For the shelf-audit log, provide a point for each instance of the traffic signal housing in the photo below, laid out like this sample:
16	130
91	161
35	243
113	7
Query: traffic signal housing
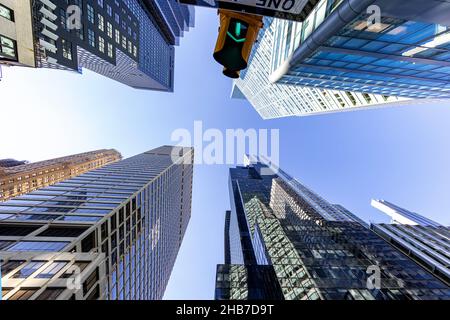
231	74
237	35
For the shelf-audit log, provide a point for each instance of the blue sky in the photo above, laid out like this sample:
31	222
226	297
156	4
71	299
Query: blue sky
399	154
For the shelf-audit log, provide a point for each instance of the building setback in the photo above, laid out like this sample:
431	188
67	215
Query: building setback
112	233
276	100
24	178
130	41
424	240
371	46
285	242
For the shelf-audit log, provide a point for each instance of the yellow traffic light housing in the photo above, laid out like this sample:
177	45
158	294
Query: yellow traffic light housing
237	34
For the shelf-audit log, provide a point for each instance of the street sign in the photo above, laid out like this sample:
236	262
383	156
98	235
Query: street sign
296	10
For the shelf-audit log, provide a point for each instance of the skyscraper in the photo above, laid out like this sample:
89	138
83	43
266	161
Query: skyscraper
424	240
286	242
20	179
402	216
111	233
372	46
275	100
130	41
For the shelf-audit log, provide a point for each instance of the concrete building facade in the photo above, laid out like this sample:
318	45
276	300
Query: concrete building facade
24	178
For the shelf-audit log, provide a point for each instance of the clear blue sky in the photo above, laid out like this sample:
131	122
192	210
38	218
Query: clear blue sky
400	154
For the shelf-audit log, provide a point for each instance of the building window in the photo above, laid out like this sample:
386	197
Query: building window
367	98
101	22
135	51
124	42
109	10
110	50
79	32
130	47
7	48
91	38
51	270
50	294
28	269
63	18
351	97
109	29
7	13
38	246
66	49
101	44
100	3
90	14
23	294
118	36
117	18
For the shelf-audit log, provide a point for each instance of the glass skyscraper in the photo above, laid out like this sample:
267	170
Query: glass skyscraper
276	100
111	233
402	216
424	240
130	41
283	241
372	46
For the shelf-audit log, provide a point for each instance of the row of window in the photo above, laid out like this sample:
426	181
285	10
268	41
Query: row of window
109	10
103	45
6	12
32	245
49	217
101	25
24	184
48	272
8	48
99	41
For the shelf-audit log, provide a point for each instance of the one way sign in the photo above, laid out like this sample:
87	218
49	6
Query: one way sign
296	10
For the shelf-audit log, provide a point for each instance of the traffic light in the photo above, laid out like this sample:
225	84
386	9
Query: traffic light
237	34
231	74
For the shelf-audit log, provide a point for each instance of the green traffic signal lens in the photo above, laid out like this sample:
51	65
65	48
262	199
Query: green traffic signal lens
231	54
237	30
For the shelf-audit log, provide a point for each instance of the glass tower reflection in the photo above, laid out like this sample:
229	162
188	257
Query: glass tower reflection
291	249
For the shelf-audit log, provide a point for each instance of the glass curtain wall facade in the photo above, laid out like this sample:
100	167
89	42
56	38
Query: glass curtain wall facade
299	253
370	46
130	41
402	216
112	233
424	240
276	100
